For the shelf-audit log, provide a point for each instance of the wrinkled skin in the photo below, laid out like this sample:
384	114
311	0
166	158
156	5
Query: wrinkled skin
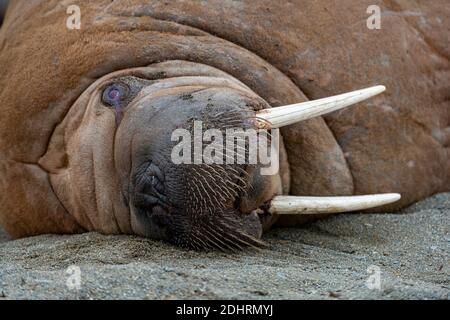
115	158
70	163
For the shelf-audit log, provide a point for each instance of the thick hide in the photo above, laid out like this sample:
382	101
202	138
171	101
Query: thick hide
286	52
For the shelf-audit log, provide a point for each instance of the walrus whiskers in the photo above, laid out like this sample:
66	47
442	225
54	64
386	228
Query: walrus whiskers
285	115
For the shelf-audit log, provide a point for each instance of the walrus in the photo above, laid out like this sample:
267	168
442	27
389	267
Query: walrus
89	113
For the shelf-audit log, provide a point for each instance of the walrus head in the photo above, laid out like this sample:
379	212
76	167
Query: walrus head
111	160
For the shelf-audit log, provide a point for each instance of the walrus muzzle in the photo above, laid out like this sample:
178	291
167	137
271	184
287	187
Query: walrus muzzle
200	205
111	159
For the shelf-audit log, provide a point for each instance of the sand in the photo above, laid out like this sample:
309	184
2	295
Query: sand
329	259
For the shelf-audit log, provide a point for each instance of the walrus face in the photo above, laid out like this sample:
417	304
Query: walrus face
189	204
114	160
118	167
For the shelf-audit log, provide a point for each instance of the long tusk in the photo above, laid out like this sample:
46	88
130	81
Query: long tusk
282	116
314	205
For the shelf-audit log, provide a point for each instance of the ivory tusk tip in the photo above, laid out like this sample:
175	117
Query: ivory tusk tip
378	89
385	198
393	196
366	93
286	115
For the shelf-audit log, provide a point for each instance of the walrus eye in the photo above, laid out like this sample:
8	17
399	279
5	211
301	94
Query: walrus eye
114	94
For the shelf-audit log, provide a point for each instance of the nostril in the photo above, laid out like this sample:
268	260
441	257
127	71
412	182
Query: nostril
156	184
145	201
147	197
148	182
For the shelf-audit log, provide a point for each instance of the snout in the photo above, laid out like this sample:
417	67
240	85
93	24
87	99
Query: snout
191	183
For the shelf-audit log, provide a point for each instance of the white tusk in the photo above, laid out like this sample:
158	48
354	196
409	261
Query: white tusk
285	115
314	205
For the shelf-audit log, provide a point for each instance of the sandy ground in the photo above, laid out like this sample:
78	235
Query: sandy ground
329	259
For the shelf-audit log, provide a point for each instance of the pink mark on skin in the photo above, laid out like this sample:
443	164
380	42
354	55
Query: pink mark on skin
118	112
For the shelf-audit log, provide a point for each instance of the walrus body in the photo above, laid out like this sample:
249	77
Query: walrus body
60	168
